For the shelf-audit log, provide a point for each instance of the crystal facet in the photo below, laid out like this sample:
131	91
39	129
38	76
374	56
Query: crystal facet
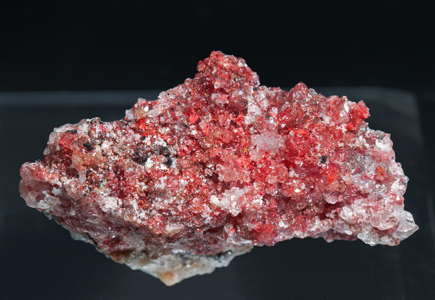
217	165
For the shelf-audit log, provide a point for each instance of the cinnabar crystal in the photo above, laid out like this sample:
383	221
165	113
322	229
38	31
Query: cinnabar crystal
217	165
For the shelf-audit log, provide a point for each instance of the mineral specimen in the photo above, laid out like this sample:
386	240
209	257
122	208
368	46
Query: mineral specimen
217	165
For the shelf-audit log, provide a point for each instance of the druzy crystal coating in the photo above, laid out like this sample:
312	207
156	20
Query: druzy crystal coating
217	165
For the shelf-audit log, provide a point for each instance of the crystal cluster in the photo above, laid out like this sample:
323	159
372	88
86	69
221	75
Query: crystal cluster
217	165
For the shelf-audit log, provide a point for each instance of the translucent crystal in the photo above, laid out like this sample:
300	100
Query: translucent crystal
215	166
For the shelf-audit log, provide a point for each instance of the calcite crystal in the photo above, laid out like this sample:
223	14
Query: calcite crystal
217	165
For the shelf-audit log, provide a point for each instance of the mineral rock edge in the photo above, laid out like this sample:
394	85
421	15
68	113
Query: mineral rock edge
215	166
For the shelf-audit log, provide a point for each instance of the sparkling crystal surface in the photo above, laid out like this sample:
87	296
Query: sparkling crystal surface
217	165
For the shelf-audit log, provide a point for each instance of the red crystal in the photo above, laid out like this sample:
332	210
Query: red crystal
217	165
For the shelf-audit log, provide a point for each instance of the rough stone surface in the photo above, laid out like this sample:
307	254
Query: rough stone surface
217	165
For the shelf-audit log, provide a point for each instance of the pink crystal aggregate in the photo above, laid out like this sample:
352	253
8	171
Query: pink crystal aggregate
217	165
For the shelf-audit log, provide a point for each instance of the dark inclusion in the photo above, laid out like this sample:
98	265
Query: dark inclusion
140	158
168	161
163	150
88	146
324	159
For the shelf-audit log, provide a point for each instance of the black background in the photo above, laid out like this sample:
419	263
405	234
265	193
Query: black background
94	45
140	45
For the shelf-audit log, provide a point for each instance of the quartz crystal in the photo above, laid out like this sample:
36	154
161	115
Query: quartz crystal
215	166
